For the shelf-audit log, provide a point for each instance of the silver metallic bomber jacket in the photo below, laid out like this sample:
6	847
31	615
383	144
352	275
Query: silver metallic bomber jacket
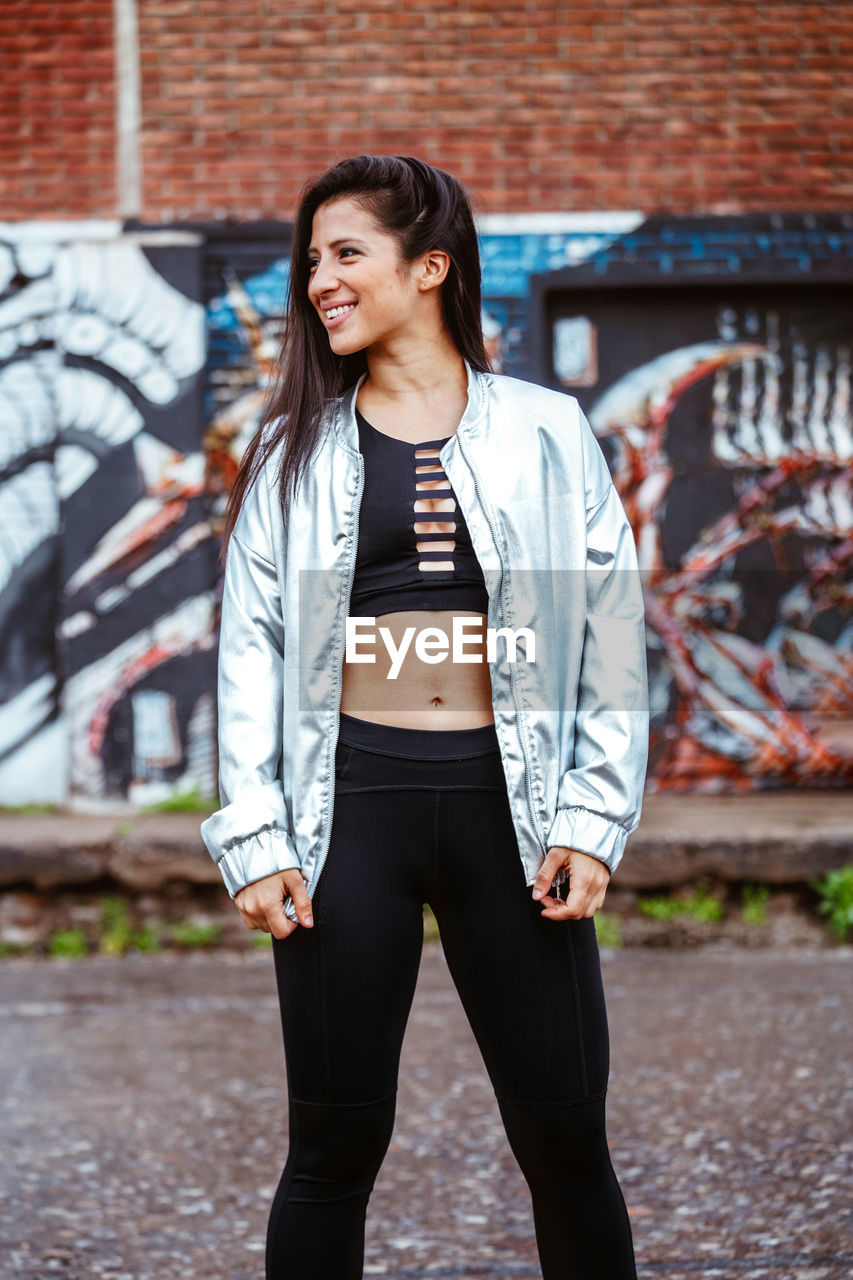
558	557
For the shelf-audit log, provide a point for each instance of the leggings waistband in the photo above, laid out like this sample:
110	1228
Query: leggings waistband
430	743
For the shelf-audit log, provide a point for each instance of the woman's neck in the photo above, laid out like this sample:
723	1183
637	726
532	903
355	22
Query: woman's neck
433	373
415	370
421	390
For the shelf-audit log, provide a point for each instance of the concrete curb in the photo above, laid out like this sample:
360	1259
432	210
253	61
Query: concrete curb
770	837
142	852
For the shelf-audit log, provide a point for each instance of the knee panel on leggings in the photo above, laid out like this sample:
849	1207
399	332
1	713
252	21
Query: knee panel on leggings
558	1146
316	1224
582	1224
336	1150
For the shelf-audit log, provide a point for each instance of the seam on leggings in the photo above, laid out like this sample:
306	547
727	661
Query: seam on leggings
324	1007
578	1012
305	1102
404	755
412	786
551	1106
435	808
346	1195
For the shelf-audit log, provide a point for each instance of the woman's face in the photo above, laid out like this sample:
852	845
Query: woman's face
365	295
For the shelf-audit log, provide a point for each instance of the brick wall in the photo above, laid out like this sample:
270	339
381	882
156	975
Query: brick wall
716	106
57	109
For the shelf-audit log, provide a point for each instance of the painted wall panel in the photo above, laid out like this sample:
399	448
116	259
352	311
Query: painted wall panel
725	413
105	543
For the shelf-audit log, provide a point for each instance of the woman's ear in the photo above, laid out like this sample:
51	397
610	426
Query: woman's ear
434	267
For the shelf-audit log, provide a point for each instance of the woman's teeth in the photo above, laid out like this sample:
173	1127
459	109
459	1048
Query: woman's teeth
340	311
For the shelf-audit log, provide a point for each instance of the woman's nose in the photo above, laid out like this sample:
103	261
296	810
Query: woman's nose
322	279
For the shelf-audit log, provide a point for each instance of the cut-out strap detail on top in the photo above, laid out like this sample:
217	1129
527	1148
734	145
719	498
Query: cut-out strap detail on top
435	542
434	546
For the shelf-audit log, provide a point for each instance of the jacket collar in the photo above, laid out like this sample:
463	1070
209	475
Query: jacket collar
345	426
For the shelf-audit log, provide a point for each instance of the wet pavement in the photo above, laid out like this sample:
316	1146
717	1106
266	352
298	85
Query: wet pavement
143	1121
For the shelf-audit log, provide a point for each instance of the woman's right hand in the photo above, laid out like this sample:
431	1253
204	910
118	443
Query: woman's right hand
261	903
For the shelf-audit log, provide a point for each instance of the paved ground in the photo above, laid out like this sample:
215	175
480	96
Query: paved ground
143	1121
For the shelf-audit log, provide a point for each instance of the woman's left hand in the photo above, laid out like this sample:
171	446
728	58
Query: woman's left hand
588	881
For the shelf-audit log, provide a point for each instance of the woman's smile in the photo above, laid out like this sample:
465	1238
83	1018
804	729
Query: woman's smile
334	315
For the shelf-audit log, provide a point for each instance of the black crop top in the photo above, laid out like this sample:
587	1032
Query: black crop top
389	570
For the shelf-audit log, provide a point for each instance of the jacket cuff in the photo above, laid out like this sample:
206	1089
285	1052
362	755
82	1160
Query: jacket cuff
263	854
248	838
589	832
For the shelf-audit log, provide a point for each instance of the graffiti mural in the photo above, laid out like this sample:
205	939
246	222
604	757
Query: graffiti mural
728	423
245	324
106	551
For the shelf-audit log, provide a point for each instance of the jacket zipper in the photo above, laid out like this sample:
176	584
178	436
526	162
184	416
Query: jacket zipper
512	675
321	861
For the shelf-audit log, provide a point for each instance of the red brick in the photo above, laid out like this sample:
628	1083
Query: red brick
604	104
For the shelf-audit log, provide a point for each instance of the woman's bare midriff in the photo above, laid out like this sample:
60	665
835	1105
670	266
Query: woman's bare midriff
423	695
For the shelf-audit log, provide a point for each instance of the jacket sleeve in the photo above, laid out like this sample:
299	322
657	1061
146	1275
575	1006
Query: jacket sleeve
248	837
600	795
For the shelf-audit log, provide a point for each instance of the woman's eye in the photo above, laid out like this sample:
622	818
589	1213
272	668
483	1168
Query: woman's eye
313	263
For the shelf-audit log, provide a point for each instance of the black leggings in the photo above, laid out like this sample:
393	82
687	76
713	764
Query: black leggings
422	816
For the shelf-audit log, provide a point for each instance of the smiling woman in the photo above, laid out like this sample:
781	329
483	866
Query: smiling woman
421	487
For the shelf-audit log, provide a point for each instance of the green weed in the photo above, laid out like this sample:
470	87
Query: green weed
754	903
431	933
147	939
608	930
26	810
701	905
660	908
836	893
15	949
183	802
117	934
192	935
68	942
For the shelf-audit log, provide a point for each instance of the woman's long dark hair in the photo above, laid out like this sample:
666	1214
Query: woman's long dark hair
425	208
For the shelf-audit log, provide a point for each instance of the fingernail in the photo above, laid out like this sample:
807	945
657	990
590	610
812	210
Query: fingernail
537	894
309	920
